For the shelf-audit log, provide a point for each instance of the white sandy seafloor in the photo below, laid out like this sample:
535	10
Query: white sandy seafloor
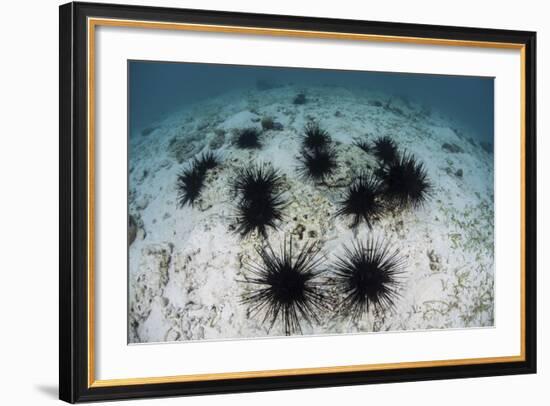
185	265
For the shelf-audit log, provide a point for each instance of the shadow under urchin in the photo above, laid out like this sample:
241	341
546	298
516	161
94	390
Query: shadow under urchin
406	182
363	201
384	149
248	138
286	288
260	203
191	180
367	276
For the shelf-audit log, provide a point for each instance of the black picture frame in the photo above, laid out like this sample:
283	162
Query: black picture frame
74	385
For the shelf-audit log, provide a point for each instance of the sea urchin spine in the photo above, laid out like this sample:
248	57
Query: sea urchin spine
367	277
207	161
385	150
287	288
363	201
189	185
363	144
260	202
248	138
315	137
318	157
317	164
191	180
406	182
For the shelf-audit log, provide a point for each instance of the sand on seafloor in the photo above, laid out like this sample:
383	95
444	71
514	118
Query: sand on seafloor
185	271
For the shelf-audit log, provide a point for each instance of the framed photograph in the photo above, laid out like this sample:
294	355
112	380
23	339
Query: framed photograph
257	202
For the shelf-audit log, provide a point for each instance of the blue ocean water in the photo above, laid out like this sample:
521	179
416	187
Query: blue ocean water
157	89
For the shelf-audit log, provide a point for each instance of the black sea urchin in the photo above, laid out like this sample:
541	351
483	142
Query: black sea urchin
259	215
191	180
363	201
260	202
362	144
317	164
367	277
255	182
385	150
287	288
300	98
248	138
315	137
189	184
207	161
406	182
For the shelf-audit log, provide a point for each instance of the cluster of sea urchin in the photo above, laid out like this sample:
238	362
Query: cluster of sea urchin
292	289
191	180
318	157
259	199
402	182
295	289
